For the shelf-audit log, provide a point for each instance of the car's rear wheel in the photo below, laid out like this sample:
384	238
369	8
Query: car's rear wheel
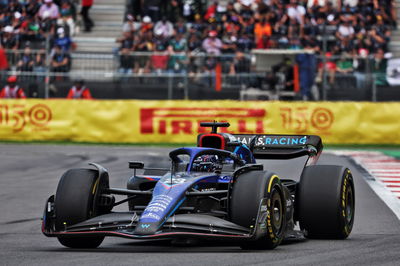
75	201
247	192
326	202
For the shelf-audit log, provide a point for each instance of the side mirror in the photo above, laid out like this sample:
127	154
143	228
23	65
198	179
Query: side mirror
136	165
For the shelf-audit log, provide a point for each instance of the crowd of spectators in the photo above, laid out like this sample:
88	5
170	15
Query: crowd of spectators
26	26
186	36
242	25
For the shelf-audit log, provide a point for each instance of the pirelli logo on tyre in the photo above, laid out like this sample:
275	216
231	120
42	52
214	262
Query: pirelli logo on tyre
181	120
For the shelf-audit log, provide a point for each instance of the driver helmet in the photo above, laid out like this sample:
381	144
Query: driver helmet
206	163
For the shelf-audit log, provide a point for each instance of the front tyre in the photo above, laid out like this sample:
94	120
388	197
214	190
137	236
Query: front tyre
248	191
75	201
326	202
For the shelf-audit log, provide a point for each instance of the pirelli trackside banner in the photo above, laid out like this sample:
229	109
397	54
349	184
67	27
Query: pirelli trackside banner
178	121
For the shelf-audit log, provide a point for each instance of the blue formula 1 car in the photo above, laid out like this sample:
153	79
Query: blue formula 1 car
215	191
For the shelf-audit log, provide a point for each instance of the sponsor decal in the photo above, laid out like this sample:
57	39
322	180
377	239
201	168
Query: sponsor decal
157	207
244	139
286	140
145	225
305	119
18	116
187	120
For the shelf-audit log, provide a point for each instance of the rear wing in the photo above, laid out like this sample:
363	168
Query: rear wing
281	146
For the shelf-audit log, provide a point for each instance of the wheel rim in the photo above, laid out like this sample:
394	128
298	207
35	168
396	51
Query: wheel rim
276	212
349	208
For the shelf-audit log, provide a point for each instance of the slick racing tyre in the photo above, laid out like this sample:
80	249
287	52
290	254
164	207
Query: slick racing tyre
326	202
75	201
247	192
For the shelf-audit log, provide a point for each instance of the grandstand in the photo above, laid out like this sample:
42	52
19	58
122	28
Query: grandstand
248	49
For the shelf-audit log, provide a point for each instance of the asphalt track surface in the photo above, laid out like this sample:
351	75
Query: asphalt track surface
30	173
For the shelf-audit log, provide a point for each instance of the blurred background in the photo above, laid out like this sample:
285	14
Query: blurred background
185	49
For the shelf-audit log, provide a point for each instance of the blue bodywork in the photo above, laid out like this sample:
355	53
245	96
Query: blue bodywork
170	191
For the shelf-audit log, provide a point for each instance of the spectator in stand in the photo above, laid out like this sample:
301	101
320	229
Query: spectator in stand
174	10
152	9
79	91
146	25
47	25
60	61
126	61
180	27
12	90
380	34
189	8
294	30
281	72
360	66
177	62
211	10
14	6
294	11
245	43
27	60
40	64
64	41
127	40
264	42
145	44
87	21
229	40
345	35
379	65
317	3
208	71
212	44
345	64
9	39
130	25
164	28
159	59
67	14
241	65
198	25
49	10
32	8
194	42
30	30
330	67
261	29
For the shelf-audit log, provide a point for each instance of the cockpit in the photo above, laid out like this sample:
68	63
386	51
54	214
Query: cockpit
204	160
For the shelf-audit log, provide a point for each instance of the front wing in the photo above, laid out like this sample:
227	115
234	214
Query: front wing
123	224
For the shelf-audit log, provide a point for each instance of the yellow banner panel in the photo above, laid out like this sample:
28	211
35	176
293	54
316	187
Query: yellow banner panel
134	121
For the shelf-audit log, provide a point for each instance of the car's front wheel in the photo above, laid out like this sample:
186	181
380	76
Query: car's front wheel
248	191
75	202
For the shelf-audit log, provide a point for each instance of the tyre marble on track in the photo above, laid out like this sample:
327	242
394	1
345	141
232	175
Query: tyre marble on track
30	173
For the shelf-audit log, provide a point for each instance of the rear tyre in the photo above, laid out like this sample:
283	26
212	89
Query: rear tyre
75	201
326	202
247	193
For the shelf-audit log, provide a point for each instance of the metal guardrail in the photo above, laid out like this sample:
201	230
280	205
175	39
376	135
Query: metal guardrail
181	70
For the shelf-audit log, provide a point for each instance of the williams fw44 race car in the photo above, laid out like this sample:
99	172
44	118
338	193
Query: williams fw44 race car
215	191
